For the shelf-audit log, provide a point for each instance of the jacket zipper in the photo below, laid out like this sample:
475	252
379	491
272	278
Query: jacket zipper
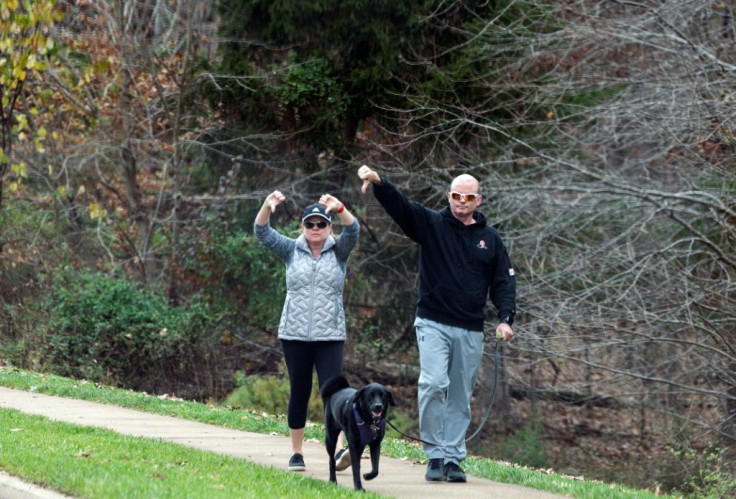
311	298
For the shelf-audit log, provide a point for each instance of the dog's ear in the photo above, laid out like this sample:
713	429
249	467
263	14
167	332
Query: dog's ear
359	398
390	399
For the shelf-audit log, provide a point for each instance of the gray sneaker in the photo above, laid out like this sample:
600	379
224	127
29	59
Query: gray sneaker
435	471
454	473
342	459
296	463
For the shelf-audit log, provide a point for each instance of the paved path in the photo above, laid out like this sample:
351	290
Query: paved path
15	488
397	478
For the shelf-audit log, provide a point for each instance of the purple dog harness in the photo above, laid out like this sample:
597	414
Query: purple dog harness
368	432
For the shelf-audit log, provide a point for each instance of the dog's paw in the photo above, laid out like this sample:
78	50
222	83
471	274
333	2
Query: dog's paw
371	475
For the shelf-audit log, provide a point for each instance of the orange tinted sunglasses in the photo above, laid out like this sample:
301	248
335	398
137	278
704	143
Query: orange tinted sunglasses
459	196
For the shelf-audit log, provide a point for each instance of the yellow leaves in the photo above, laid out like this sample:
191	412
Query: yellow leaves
38	145
21	122
24	39
20	169
19	73
22	127
7	7
96	212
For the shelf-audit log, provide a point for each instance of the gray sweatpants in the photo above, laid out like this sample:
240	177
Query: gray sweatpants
449	359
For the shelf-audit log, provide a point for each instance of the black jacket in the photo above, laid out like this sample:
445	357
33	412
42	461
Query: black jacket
460	266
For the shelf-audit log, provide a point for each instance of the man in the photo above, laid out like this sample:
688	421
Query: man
462	261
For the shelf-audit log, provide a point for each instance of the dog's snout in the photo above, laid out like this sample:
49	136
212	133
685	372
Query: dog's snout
377	409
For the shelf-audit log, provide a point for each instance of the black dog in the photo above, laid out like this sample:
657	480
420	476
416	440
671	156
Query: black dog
361	415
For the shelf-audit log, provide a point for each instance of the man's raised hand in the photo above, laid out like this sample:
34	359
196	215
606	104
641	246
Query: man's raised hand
368	177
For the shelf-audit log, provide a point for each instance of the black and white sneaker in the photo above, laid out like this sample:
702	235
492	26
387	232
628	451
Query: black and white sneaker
296	463
342	459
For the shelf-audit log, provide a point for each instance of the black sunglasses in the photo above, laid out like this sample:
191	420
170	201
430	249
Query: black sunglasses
311	225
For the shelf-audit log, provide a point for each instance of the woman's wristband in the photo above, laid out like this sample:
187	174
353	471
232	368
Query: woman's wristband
341	209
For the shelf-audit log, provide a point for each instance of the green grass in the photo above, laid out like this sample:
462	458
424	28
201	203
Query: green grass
81	461
93	462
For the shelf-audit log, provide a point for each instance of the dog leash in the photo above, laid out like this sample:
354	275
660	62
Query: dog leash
496	358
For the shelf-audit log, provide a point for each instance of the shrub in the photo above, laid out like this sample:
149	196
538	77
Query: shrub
526	446
704	473
270	394
107	329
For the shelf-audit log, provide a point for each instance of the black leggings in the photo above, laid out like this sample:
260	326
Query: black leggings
302	357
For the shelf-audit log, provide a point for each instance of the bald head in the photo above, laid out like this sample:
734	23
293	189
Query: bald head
465	183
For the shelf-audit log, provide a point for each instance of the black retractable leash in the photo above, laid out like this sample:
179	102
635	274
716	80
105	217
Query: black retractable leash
496	357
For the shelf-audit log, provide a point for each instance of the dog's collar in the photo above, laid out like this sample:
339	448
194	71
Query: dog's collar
368	432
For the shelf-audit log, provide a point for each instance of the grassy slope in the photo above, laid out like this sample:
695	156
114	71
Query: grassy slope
159	469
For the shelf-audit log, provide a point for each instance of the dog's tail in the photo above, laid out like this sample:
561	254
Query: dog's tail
333	385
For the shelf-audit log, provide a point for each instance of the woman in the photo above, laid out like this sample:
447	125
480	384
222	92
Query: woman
312	326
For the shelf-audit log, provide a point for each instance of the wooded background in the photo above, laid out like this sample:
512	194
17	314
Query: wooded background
139	138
